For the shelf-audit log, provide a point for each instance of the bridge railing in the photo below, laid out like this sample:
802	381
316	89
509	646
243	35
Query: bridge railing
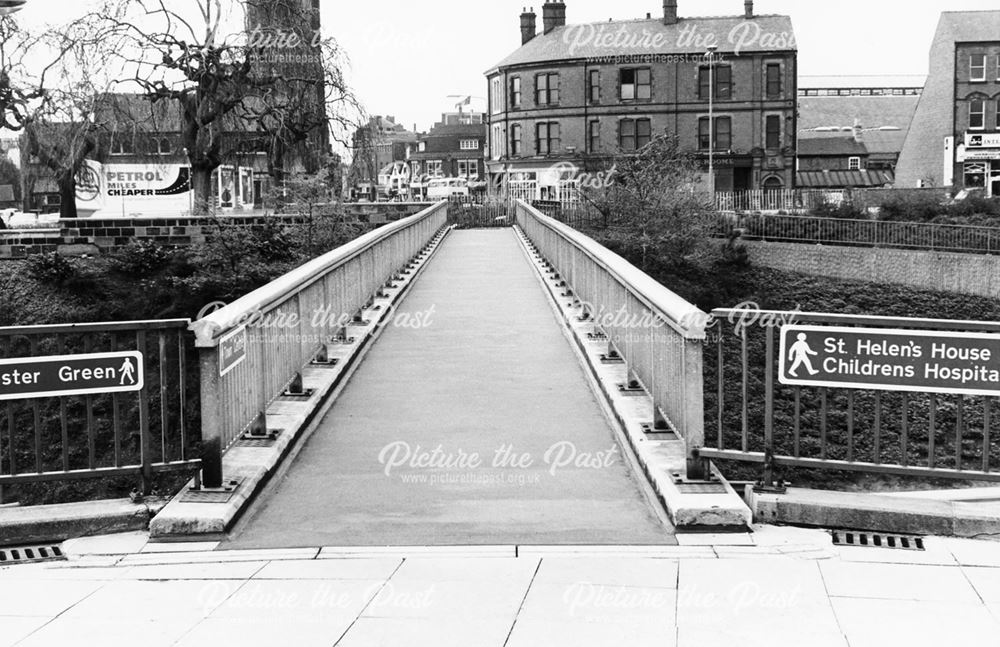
253	348
864	233
658	334
73	437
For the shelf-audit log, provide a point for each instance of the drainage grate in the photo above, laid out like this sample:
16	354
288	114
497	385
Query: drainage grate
27	554
701	488
877	540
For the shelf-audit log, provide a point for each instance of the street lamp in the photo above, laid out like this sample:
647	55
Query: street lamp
10	6
711	118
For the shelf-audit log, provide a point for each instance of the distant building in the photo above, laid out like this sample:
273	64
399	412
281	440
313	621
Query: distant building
450	151
954	139
567	99
377	147
856	124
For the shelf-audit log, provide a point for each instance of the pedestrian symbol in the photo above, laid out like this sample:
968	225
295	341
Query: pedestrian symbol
799	355
128	372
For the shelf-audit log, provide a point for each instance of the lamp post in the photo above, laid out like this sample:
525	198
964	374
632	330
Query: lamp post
10	6
711	119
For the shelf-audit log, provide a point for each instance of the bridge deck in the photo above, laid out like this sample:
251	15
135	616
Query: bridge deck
491	370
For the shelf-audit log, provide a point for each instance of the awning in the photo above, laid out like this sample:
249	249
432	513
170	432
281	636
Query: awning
843	179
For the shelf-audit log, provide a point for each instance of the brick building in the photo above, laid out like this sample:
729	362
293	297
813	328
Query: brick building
450	151
580	94
954	140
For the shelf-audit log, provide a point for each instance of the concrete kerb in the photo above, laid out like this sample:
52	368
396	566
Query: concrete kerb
257	465
21	525
659	460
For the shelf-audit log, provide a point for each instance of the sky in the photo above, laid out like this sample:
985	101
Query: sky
407	57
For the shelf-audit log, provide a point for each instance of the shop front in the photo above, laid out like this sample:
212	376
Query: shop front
979	163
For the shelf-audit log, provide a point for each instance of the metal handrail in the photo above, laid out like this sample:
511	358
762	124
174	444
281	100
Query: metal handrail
684	317
211	328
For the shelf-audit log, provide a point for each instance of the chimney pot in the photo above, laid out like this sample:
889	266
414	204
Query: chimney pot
670	12
553	15
748	9
529	26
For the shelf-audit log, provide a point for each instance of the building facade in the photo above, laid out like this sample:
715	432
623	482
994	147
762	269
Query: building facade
573	97
450	151
954	140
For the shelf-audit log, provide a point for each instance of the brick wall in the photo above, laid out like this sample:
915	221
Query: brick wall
97	236
973	274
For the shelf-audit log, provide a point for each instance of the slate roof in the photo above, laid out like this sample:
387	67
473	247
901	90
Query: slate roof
838	179
869	112
830	146
651	36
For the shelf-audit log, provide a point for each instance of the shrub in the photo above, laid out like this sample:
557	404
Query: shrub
142	258
911	208
51	268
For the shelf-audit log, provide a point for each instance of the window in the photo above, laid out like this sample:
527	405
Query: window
975	174
595	136
854	163
422	147
496	149
469	144
977	114
547	137
998	115
515	92
468	168
496	95
723	77
977	67
773	132
723	133
515	140
636	84
633	134
434	168
773	74
162	146
414	169
594	89
546	89
122	145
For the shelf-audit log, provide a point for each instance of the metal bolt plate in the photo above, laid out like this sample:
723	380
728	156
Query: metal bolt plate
701	488
222	495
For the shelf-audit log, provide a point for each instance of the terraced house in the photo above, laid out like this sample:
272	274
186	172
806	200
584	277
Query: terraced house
573	97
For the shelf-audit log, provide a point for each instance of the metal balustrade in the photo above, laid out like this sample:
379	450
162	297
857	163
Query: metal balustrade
273	332
865	233
66	438
658	334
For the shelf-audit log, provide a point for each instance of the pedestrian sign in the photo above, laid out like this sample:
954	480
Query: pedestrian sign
60	375
890	359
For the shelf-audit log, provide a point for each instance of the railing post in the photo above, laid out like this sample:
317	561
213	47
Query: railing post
211	418
694	409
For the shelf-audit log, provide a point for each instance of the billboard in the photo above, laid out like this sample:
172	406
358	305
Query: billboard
127	189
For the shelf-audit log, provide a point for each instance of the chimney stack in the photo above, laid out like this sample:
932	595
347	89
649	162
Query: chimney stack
553	15
748	9
670	12
528	25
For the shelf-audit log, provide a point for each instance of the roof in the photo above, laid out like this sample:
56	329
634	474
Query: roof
867	112
839	145
464	130
734	35
840	179
880	81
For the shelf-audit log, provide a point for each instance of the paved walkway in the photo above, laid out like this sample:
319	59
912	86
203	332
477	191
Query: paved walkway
791	588
469	422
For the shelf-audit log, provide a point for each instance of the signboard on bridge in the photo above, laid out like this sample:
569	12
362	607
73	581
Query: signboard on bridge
60	375
890	359
232	350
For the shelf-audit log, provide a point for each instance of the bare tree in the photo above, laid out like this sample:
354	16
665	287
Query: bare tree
651	202
183	54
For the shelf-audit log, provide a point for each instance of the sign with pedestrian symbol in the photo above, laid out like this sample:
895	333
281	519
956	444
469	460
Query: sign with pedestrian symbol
60	375
890	359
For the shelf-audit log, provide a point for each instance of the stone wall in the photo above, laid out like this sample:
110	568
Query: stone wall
974	274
